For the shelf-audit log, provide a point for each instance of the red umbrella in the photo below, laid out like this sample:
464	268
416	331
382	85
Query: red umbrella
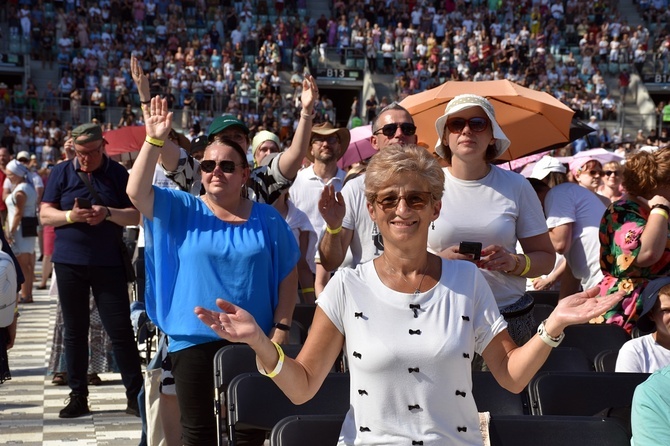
124	139
360	148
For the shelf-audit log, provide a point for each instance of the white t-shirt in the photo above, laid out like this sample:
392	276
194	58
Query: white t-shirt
385	338
305	194
643	355
498	209
357	218
570	203
298	222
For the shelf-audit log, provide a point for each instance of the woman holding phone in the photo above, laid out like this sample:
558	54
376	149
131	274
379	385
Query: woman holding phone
495	207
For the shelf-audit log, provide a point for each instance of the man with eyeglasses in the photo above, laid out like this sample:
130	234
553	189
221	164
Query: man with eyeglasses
88	257
327	146
348	225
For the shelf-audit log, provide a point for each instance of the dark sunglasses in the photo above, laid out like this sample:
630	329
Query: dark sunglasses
415	200
611	172
226	166
389	130
456	125
593	173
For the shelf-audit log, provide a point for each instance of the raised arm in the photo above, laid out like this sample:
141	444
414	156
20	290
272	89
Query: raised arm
336	239
169	157
291	161
513	366
654	237
158	127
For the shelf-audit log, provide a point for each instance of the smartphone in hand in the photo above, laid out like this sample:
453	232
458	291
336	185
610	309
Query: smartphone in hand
471	248
84	203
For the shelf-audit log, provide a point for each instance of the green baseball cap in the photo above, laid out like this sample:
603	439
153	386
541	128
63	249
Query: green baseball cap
86	133
223	122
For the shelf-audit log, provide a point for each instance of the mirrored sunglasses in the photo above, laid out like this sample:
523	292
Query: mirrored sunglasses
477	125
226	166
389	130
416	200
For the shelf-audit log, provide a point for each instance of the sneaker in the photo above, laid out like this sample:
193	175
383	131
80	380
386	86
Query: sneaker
77	406
133	407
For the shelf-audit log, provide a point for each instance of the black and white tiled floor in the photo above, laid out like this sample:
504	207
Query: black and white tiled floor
29	402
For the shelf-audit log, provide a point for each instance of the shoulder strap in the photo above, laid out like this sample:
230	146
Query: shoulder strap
87	182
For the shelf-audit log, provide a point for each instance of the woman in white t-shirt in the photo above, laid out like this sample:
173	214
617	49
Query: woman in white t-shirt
495	207
409	320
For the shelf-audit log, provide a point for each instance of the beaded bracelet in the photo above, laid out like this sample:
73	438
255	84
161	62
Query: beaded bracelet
278	367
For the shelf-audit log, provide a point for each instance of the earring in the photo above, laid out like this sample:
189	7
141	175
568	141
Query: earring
432	225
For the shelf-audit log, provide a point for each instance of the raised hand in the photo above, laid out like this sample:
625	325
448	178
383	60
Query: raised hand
310	92
159	122
140	79
331	207
232	324
581	307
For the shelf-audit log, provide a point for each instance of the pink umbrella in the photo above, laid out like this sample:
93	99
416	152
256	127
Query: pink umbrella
360	148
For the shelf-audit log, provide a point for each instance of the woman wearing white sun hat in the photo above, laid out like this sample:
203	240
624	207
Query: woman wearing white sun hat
495	207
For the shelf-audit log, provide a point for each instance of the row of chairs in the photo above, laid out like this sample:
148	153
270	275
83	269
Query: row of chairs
508	430
569	406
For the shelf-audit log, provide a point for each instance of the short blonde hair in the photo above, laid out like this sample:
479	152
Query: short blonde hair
397	159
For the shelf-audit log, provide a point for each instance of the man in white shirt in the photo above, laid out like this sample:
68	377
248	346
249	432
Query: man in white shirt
651	352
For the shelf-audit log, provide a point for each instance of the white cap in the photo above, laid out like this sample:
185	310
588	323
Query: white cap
545	166
463	102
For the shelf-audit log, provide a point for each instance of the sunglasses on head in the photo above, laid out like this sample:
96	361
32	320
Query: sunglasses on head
611	172
226	166
416	200
456	125
389	130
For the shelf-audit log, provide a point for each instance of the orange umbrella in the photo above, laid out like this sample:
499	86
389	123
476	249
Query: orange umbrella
531	119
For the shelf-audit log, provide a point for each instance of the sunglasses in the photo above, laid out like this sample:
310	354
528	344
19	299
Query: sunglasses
226	166
477	125
333	139
415	200
593	173
611	172
407	129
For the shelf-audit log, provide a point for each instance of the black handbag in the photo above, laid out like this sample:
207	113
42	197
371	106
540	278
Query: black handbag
125	254
29	226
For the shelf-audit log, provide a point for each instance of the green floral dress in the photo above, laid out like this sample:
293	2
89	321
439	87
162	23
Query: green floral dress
620	231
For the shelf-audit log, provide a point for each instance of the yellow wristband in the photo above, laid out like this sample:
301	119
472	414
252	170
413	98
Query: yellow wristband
68	217
333	231
659	211
527	268
154	141
278	367
307	290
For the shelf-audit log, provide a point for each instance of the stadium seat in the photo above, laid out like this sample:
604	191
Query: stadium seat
606	361
595	338
255	402
322	430
556	431
491	397
545	297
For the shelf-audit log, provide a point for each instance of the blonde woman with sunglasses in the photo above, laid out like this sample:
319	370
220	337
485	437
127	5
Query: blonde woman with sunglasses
409	322
201	248
497	208
612	178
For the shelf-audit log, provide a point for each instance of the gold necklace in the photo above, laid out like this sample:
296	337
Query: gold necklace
417	290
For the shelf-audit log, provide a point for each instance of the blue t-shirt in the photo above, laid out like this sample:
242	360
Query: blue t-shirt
192	258
81	243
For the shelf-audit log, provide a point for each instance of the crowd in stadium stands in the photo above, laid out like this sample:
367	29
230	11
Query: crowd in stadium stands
210	57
